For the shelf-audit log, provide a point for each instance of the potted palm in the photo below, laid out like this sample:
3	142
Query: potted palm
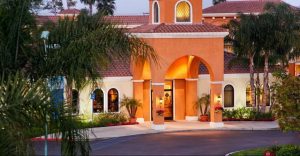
131	106
202	105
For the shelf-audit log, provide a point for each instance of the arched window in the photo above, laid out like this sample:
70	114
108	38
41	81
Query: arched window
98	101
183	12
113	100
75	101
228	96
155	12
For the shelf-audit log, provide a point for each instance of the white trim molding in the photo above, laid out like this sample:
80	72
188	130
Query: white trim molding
140	120
191	118
182	35
138	81
191	79
216	124
116	79
158	127
216	82
157	84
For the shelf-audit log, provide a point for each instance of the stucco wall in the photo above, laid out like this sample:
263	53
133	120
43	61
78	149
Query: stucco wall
238	81
122	84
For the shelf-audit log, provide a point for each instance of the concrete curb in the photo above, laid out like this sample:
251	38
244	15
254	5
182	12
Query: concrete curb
188	130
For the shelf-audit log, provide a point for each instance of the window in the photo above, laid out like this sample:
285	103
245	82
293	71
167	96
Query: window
249	101
75	101
228	96
155	13
113	100
183	12
98	101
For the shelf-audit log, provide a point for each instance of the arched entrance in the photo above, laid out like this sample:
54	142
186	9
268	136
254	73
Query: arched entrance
179	64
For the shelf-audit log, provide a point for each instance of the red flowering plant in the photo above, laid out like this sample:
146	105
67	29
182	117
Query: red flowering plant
160	112
219	108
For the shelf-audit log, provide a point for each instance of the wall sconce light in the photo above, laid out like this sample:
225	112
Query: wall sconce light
219	98
160	101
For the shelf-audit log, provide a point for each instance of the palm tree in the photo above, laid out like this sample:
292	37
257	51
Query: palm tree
215	2
90	3
106	7
87	45
242	35
279	39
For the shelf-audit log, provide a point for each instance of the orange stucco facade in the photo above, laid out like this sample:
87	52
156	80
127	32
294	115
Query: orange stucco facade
179	60
167	10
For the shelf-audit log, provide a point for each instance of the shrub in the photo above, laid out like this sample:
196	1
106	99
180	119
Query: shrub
106	119
246	114
288	150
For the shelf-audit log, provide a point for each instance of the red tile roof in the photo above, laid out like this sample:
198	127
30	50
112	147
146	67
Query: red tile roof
69	11
246	6
129	20
177	28
117	68
43	19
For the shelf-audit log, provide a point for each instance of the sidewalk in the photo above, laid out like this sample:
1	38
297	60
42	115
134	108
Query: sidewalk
145	128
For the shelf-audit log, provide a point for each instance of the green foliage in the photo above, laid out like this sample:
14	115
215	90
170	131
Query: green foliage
215	2
246	114
131	105
283	150
25	108
288	150
105	119
106	7
203	103
287	105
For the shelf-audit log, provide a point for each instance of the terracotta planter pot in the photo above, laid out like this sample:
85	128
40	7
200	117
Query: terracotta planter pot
132	120
204	118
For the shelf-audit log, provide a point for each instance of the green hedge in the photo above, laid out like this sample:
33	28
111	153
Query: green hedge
284	150
246	114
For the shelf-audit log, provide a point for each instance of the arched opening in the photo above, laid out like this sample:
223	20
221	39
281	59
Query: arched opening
228	96
183	12
113	100
155	12
75	101
98	101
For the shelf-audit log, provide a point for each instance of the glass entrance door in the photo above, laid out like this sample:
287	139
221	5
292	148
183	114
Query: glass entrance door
168	101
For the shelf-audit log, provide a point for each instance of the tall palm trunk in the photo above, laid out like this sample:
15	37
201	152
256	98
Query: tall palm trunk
91	9
69	92
258	91
266	82
251	67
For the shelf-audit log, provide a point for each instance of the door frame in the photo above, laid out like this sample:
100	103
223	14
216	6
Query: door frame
173	99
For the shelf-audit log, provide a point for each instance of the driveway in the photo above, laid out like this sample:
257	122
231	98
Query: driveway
186	143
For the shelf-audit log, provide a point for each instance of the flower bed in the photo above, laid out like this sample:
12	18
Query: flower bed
283	150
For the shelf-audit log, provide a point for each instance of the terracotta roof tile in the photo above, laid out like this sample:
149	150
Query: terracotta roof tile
177	28
129	20
69	11
43	19
248	6
117	68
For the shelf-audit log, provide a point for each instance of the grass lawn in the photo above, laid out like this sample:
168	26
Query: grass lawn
252	152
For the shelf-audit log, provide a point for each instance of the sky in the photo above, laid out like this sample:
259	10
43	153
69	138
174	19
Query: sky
138	7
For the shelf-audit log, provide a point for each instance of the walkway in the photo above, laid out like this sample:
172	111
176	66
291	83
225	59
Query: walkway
145	128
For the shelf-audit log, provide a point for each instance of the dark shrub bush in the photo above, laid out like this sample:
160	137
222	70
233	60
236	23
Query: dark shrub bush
288	150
